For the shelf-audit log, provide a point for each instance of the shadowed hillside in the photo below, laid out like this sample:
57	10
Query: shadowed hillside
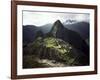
57	48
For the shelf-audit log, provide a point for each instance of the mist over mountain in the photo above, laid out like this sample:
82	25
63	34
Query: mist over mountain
69	21
46	28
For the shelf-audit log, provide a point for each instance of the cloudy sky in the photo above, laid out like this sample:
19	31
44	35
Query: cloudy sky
42	18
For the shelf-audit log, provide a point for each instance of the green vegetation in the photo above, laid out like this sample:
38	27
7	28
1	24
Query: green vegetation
54	43
63	49
50	48
51	42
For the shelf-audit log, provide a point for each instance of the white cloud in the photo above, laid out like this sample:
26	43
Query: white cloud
42	18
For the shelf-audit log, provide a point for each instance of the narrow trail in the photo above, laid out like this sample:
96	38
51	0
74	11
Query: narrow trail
51	63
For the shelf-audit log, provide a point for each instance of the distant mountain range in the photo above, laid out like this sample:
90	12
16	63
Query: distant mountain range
29	31
81	27
59	43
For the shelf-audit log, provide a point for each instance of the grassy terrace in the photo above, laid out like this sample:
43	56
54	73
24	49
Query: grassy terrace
56	44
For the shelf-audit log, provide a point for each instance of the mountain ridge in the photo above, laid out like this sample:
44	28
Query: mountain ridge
59	44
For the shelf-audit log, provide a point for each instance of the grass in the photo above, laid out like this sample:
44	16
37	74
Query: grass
55	43
63	48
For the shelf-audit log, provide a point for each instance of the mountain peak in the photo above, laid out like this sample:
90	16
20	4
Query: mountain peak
57	26
58	21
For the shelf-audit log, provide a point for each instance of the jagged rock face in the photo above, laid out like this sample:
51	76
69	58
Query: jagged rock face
59	31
